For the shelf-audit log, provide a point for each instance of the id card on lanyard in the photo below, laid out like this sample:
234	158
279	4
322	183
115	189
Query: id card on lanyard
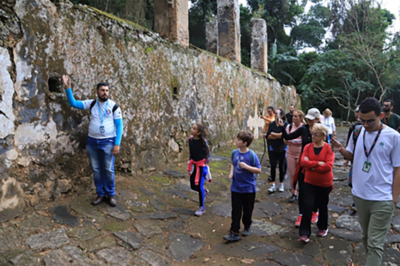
102	116
367	165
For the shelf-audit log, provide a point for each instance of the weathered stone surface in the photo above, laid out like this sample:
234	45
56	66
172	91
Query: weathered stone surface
174	173
12	202
212	35
99	243
158	216
116	256
61	215
84	208
312	248
171	20
183	246
337	251
83	234
176	193
9	239
346	234
175	225
229	29
158	204
264	228
336	208
64	185
27	258
222	209
148	227
267	209
289	258
391	256
396	223
117	212
133	239
48	240
71	255
390	239
259	45
32	222
153	258
279	195
348	222
244	249
291	213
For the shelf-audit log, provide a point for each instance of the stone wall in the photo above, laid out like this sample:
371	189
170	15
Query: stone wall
162	89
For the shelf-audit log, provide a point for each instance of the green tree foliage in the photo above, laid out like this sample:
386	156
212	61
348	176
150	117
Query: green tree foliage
245	32
199	14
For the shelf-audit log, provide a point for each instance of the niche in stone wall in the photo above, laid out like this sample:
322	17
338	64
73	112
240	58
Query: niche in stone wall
55	83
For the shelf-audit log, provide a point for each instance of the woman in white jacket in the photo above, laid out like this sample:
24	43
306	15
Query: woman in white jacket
329	122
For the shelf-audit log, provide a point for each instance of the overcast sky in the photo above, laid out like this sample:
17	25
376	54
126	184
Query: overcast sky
392	5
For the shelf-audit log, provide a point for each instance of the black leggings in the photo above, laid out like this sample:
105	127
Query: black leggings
199	187
301	194
276	158
314	196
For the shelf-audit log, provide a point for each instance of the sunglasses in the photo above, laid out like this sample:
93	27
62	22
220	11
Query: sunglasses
386	105
370	122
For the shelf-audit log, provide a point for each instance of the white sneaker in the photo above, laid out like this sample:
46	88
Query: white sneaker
200	211
272	189
281	187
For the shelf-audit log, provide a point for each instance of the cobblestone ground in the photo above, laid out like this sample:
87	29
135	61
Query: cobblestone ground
153	224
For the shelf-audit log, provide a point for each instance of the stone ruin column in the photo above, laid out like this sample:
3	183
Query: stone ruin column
171	20
229	29
259	45
212	35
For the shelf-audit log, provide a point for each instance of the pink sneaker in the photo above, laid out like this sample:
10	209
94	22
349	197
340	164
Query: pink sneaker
304	239
323	232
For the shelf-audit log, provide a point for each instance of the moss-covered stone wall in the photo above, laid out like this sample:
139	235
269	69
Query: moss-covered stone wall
162	89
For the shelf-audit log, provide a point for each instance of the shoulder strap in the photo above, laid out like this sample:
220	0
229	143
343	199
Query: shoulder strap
252	155
290	127
92	104
115	107
233	154
356	133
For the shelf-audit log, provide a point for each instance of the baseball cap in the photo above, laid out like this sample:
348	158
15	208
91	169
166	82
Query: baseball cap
313	113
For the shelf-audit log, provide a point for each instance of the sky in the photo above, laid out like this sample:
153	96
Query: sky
392	5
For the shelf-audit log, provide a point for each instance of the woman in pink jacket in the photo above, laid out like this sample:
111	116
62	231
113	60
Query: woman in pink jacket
294	150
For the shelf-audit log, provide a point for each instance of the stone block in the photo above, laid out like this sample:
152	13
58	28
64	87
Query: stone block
12	201
259	46
171	20
229	29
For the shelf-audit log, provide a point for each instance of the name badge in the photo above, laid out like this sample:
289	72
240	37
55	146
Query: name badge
102	130
367	167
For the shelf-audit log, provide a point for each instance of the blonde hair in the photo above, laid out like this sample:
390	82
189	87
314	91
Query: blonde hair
327	111
301	116
320	128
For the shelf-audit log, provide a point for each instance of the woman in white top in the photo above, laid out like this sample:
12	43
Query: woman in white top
329	122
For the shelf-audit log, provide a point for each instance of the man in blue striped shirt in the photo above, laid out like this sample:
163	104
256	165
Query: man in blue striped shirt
104	138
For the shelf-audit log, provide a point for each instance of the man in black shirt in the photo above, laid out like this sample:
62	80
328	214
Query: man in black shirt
290	114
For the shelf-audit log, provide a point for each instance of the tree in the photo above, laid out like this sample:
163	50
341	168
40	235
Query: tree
198	16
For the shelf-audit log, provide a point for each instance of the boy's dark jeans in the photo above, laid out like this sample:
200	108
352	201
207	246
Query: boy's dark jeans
242	202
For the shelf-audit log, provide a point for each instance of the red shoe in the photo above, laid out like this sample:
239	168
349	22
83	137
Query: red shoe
304	239
323	232
298	221
314	217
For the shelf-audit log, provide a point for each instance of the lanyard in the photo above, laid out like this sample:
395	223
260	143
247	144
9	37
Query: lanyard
373	145
102	117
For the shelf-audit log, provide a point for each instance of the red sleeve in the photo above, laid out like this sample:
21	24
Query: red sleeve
304	163
329	159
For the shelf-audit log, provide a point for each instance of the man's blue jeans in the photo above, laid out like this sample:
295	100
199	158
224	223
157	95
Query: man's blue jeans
102	161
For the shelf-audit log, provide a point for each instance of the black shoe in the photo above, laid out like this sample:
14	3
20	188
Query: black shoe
232	237
112	201
293	198
97	201
246	232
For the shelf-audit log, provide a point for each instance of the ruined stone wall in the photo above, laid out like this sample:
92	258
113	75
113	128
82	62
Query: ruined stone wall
162	89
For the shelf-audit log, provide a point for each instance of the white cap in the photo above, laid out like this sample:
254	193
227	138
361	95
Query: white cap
313	113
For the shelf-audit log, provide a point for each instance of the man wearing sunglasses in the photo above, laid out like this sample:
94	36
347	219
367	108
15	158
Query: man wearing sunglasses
376	177
391	119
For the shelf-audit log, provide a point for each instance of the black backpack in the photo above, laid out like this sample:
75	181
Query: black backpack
115	107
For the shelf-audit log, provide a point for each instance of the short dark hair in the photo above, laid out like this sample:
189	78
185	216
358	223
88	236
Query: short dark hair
390	101
101	84
245	136
293	105
370	104
271	107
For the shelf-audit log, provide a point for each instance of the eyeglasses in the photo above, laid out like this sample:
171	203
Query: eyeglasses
370	122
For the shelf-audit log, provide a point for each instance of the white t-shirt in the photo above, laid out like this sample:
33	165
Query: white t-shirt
375	185
330	124
108	119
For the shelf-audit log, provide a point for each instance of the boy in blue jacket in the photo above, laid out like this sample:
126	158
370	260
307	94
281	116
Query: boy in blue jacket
244	171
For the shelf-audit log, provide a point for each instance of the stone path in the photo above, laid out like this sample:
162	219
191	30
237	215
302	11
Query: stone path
153	224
